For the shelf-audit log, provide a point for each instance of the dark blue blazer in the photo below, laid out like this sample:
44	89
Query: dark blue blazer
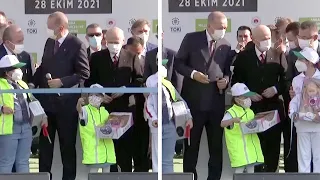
151	46
23	57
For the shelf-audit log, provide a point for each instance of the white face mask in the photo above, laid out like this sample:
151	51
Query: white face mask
246	103
18	48
95	41
303	43
51	34
301	66
163	71
114	48
292	45
218	34
17	75
265	45
95	101
144	37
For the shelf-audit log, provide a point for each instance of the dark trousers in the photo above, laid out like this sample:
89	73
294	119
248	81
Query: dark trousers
123	147
211	121
66	124
270	140
140	147
290	155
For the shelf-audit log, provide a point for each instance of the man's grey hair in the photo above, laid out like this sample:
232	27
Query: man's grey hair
309	25
91	26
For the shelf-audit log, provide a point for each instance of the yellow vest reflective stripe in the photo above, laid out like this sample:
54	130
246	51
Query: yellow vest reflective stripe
7	99
171	89
242	149
95	150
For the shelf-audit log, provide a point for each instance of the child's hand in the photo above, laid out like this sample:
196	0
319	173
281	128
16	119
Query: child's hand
80	104
190	123
155	123
6	110
236	120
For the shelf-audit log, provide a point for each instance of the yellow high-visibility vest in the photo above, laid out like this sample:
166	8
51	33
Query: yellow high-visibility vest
95	150
171	89
243	149
7	99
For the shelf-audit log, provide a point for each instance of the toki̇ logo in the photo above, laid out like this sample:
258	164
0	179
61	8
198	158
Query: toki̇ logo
175	28
32	29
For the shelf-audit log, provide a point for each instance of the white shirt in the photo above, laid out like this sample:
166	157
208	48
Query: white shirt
117	55
61	40
259	53
297	85
209	39
8	51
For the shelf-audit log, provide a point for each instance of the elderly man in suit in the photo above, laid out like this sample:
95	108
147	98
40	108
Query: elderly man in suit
114	67
65	60
13	40
203	61
263	69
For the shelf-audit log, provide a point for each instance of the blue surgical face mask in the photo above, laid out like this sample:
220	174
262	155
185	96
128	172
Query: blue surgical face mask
95	41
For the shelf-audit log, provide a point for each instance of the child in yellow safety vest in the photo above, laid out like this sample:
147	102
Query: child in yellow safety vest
244	149
97	153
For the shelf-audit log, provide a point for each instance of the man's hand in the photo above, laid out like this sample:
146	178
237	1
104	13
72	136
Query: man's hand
222	83
155	123
256	98
107	99
6	110
240	46
55	83
269	93
80	103
200	77
291	92
190	123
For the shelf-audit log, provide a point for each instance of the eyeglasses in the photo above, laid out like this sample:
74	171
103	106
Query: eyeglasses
94	34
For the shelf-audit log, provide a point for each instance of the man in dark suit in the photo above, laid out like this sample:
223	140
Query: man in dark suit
203	61
141	28
262	69
13	40
94	37
65	58
243	37
114	67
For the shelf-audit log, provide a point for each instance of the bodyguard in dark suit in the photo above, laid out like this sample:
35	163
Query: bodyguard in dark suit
13	40
65	58
262	69
94	37
203	61
114	67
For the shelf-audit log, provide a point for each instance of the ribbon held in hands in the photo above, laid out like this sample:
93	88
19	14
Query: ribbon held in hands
187	134
45	133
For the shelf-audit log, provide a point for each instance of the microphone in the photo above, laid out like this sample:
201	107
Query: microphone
49	77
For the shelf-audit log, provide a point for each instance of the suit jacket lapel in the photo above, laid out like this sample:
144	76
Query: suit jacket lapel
63	47
204	46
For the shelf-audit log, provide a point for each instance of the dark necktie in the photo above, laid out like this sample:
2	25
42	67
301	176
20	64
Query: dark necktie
165	111
262	58
22	102
211	50
56	46
115	61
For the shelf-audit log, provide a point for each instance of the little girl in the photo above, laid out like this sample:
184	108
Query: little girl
308	132
97	153
244	149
